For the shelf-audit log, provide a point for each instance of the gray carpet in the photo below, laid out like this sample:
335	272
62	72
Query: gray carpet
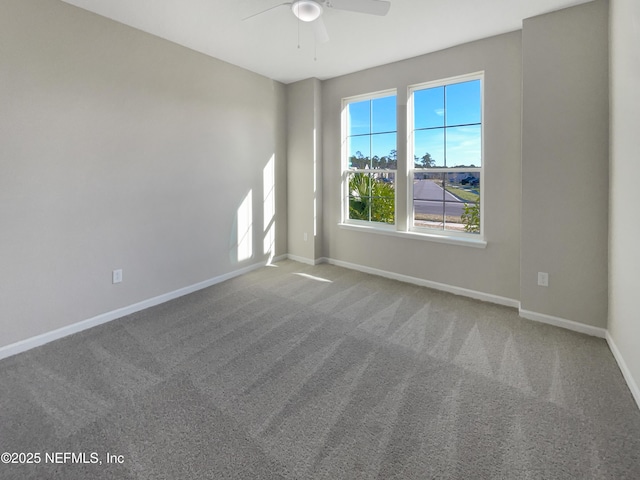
301	372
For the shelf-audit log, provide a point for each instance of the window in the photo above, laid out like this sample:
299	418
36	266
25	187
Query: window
445	176
440	187
369	159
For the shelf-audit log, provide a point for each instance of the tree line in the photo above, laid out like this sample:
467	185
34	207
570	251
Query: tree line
390	161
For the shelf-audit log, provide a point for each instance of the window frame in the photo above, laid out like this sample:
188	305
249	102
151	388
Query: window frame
411	170
404	173
346	171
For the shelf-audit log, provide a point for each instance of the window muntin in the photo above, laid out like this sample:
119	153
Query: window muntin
369	172
446	176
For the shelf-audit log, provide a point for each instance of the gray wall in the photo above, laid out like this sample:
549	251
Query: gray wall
624	228
494	270
565	120
546	170
122	150
304	156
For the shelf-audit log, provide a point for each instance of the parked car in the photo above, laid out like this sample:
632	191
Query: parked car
470	180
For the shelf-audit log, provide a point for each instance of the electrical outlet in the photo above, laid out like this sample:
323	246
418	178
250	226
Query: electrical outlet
543	279
116	276
305	236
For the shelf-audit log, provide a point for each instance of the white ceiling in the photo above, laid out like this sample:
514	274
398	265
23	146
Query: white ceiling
268	43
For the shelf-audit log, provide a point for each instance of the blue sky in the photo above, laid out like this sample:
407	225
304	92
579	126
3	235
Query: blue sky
454	107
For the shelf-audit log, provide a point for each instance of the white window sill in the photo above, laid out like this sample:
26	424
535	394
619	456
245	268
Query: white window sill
429	237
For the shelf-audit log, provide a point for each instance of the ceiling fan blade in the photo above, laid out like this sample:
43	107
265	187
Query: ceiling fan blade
265	11
320	30
372	7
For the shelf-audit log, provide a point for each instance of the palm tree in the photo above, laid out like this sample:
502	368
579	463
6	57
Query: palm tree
371	199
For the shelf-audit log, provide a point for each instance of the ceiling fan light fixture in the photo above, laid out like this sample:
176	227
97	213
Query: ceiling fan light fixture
306	10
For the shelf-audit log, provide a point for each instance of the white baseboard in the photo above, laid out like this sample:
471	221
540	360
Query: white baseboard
529	315
305	260
33	342
28	344
276	259
564	323
626	373
486	297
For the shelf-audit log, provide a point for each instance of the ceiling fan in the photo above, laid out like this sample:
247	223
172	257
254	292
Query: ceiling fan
310	11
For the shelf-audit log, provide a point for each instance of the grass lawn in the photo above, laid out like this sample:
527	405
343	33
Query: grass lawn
464	195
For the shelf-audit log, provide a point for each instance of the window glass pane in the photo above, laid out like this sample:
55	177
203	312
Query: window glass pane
384	114
359	117
428	148
359	151
392	160
371	197
463	103
383	199
428	199
447	201
359	196
462	211
382	145
428	108
428	186
464	146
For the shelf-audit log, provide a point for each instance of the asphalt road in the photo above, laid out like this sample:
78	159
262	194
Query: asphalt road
436	195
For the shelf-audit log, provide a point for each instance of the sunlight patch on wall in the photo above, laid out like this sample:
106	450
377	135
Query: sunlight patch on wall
245	228
269	242
269	185
269	207
315	183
